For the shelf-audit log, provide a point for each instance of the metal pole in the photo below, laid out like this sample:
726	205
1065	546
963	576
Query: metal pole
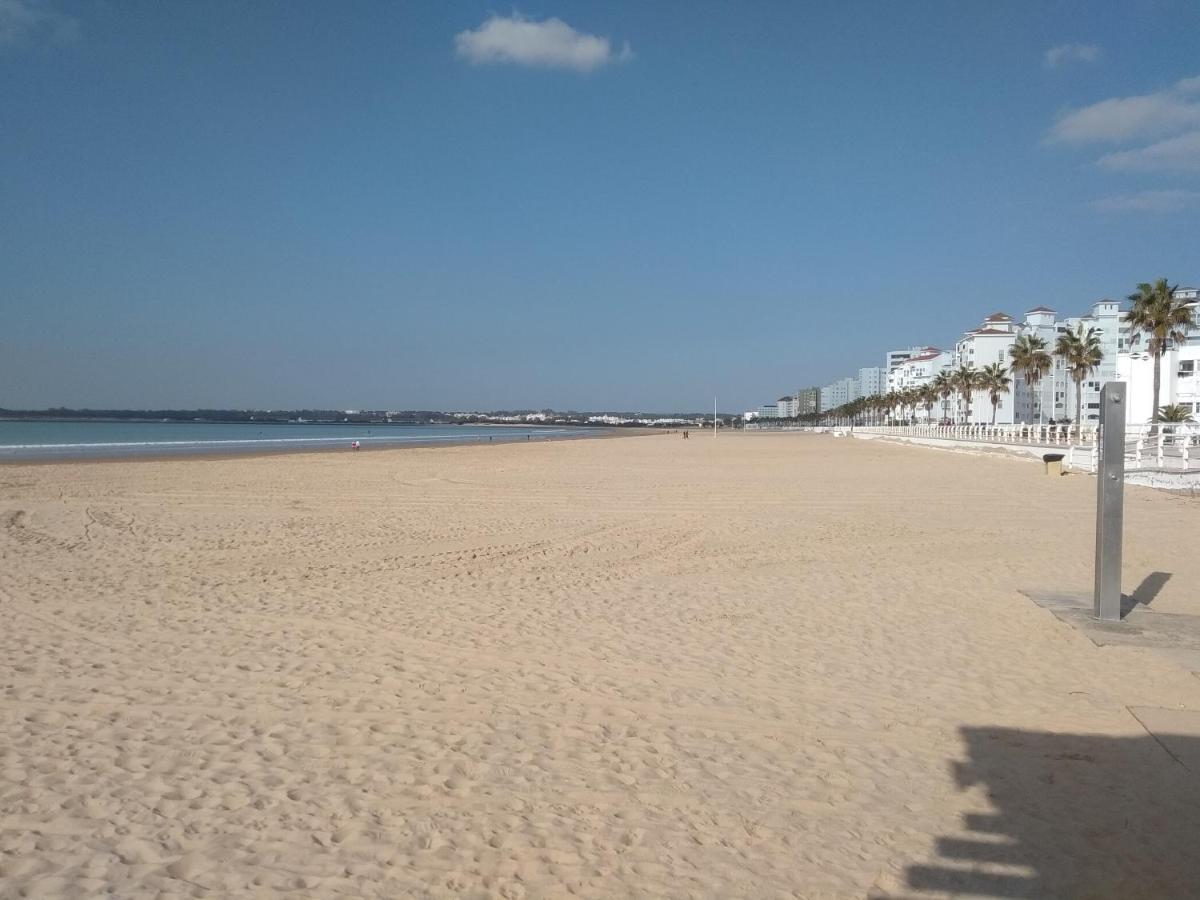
714	416
1110	497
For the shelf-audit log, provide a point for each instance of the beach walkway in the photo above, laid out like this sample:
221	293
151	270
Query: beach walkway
751	665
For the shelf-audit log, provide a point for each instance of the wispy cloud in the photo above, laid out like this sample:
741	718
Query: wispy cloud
1143	116
1148	202
23	21
1188	85
550	43
1069	53
1177	154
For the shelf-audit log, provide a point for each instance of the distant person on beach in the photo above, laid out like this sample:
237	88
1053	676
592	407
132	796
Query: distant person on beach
354	445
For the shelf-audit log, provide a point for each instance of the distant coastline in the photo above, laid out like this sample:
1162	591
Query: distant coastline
380	418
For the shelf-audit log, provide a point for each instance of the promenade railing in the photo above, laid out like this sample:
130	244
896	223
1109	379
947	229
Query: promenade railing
1165	446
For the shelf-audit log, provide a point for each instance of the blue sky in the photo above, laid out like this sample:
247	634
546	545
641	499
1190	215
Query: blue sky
578	205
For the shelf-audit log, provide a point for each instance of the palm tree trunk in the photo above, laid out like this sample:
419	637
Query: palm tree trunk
1078	404
993	413
1157	386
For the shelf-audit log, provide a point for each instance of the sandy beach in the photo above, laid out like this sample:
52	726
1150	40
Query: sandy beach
746	666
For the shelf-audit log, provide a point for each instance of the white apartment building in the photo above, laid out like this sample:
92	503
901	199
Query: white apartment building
981	347
872	381
787	407
896	357
1055	394
918	371
1180	375
1179	372
841	391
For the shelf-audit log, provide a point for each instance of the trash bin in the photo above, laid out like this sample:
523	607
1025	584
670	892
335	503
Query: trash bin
1053	463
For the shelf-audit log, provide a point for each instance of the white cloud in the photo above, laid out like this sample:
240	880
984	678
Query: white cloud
1188	85
1068	53
551	43
1122	118
1148	202
1177	154
28	20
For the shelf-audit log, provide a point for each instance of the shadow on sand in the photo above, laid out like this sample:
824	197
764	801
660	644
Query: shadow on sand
1145	592
1072	815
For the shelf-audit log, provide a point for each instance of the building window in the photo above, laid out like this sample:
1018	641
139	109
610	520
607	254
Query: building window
1187	368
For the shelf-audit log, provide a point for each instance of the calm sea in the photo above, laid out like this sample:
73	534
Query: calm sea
82	440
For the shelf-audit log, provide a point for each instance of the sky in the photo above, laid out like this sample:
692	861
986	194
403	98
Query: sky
588	206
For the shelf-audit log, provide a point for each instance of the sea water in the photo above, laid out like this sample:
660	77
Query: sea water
39	440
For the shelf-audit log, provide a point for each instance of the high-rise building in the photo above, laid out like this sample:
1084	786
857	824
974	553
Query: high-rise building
808	401
872	381
981	347
840	392
918	371
896	357
1054	396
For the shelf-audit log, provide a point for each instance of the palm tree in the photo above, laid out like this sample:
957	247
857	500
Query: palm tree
944	387
995	380
885	403
1081	352
928	395
1175	412
890	401
908	404
965	379
1164	319
1030	358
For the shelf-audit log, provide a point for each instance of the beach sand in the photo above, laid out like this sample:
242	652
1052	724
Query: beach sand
744	666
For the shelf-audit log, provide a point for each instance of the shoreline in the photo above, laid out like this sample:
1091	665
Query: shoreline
217	455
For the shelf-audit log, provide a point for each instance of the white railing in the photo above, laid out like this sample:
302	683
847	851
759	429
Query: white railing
1165	447
1047	435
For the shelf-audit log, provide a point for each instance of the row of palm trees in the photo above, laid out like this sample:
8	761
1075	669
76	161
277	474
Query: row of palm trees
960	383
1156	314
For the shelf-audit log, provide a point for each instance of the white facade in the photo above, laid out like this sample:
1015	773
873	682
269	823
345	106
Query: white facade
1054	396
981	347
1114	337
918	371
838	393
894	358
1038	404
872	381
1179	372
